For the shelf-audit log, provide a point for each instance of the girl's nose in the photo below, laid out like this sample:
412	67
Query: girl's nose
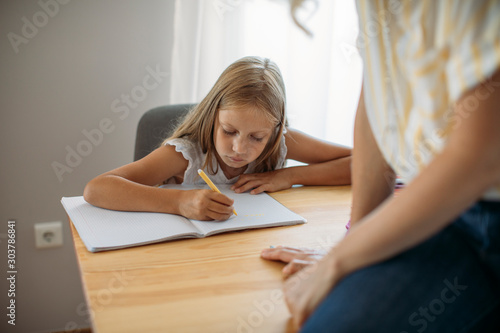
239	145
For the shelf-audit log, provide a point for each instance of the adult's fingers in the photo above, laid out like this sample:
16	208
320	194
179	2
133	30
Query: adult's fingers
295	265
285	254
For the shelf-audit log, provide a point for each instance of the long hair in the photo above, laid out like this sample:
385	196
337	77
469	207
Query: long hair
249	82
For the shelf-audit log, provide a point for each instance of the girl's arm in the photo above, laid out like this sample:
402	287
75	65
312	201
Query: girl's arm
455	179
132	188
328	164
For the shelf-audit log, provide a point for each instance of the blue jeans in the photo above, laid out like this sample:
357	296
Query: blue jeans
449	283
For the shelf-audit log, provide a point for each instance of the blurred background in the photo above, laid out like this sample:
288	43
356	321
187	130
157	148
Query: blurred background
78	75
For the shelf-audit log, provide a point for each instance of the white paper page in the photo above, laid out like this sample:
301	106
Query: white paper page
254	211
103	229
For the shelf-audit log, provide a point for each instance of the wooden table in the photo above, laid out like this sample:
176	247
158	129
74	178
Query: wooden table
214	284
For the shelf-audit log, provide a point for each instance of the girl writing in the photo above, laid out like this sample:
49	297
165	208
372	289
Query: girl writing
238	135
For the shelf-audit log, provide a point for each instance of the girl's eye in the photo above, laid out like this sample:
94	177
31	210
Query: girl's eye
257	139
228	132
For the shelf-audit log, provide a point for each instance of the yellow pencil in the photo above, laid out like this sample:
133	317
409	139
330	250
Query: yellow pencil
209	182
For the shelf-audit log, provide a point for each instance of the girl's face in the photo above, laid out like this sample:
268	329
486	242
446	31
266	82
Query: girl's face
240	136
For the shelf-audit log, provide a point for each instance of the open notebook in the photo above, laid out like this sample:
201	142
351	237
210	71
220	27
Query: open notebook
102	229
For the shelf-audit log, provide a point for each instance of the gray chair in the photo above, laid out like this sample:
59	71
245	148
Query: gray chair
156	125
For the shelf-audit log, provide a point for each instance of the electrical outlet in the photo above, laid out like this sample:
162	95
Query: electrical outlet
48	234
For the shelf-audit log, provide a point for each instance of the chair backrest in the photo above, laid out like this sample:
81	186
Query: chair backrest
155	125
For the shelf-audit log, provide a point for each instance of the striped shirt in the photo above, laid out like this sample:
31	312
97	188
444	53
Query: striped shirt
419	57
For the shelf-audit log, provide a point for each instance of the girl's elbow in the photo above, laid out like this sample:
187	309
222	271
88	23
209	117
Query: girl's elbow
346	177
89	192
348	153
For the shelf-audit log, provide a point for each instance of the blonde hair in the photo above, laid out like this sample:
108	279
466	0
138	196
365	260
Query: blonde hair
250	82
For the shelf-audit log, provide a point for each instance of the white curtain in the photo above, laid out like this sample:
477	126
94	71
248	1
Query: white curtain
322	73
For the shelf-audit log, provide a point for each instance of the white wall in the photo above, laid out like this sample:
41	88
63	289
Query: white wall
63	80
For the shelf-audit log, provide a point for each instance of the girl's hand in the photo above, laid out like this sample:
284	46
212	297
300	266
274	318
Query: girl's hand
262	182
205	205
295	258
